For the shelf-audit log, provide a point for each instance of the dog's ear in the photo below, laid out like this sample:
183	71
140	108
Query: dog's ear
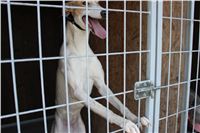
69	10
73	10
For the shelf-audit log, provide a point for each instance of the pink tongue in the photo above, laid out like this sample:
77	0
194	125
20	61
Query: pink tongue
98	30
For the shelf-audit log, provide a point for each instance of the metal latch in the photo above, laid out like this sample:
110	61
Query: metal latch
143	89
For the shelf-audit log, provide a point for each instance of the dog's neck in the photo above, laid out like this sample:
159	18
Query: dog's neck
76	38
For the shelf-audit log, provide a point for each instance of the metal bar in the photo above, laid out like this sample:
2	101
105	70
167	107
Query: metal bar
25	122
180	112
98	55
185	19
65	64
140	58
151	43
13	66
0	83
69	57
178	52
175	84
179	71
61	105
169	68
184	116
107	69
116	131
72	7
64	105
87	71
158	66
41	66
124	74
31	59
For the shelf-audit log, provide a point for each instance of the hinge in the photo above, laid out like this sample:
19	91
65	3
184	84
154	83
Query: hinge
143	89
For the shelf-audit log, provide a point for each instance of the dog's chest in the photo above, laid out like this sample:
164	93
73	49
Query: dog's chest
82	67
81	70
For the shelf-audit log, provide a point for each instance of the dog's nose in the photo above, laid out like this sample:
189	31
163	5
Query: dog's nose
103	14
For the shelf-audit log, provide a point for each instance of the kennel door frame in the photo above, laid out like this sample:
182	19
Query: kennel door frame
155	64
158	66
152	63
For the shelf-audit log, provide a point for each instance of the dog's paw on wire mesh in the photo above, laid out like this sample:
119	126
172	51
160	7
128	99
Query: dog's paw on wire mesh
131	127
145	122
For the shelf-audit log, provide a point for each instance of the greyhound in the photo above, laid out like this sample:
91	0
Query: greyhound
78	87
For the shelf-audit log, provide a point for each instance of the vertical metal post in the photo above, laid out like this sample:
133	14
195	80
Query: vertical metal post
41	65
124	55
87	71
151	40
186	92
180	67
65	64
169	67
140	57
158	66
13	66
107	69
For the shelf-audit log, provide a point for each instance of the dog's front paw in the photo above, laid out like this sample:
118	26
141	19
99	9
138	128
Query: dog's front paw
130	127
145	122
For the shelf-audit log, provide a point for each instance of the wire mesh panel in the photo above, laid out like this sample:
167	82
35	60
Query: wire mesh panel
116	54
176	53
62	64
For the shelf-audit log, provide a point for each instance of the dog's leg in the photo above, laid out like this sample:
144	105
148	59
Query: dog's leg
129	127
103	89
78	126
61	126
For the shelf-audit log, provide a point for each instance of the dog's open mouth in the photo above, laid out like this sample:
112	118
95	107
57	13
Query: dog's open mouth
95	27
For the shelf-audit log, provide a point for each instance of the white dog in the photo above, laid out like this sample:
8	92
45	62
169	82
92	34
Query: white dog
76	75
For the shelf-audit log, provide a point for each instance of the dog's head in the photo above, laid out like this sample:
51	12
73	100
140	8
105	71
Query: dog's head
95	12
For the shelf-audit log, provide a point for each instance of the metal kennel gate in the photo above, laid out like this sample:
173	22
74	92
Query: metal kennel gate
154	61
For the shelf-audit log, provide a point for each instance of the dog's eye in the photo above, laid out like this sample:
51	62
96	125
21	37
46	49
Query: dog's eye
84	3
